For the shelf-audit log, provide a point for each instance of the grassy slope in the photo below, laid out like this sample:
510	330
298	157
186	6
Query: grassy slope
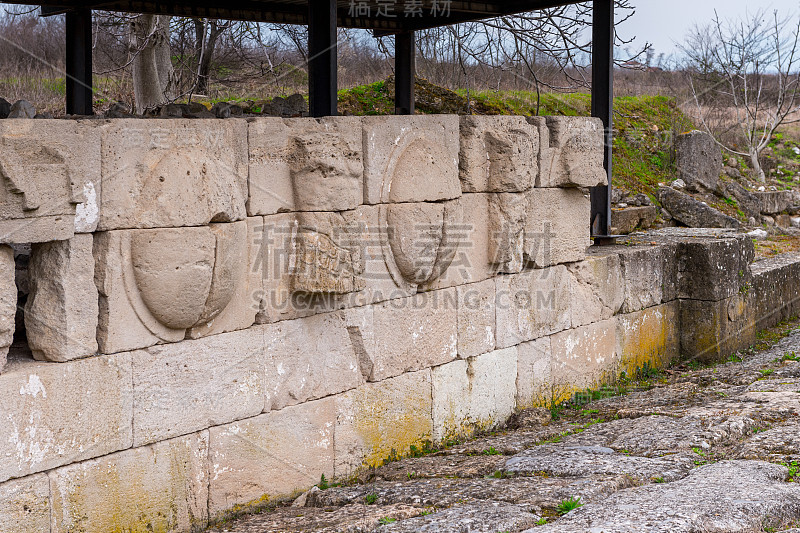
644	125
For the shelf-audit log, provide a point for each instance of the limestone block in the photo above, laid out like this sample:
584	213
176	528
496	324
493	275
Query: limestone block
25	504
414	333
162	487
8	301
648	338
628	220
325	163
693	213
270	180
238	248
476	318
598	288
775	202
58	414
192	385
557	226
154	285
714	330
61	311
774	295
478	393
532	304
421	240
382	420
50	169
534	374
310	358
173	173
643	275
471	262
699	160
571	152
498	154
507	221
410	159
271	455
584	358
714	269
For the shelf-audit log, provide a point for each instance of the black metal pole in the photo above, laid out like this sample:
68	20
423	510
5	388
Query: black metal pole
322	58
404	72
602	107
79	62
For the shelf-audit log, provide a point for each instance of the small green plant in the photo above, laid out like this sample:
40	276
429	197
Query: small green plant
789	356
767	371
587	412
699	451
323	483
659	479
386	520
490	451
542	522
793	467
735	358
568	505
371	499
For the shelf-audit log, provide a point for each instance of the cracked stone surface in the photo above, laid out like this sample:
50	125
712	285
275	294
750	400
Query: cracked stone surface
715	449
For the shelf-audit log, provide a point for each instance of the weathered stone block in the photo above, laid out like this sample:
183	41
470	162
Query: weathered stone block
507	222
478	393
238	249
50	168
649	338
624	221
25	504
571	152
534	374
310	358
173	173
325	163
379	420
192	385
775	202
699	160
471	262
557	226
693	213
61	311
411	159
270	180
414	333
271	455
643	275
476	318
154	285
8	301
162	487
714	268
774	294
711	331
598	288
532	304
498	154
584	358
58	414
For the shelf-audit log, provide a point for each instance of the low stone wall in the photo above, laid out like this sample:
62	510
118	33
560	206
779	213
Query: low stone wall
218	313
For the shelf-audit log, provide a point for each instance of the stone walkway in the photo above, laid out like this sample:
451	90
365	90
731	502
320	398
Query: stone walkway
708	450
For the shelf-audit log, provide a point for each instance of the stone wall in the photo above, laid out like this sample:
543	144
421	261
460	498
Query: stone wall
218	313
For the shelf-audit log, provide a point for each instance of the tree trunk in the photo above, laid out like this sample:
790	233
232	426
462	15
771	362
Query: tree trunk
153	75
759	172
207	33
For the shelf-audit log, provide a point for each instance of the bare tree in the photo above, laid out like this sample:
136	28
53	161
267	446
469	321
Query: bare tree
749	67
153	74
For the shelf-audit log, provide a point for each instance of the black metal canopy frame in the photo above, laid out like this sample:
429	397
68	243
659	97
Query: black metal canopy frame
400	18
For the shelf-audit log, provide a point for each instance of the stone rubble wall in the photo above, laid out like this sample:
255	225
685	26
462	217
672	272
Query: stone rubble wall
219	313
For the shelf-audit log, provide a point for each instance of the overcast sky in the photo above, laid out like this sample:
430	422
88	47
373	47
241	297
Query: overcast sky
665	22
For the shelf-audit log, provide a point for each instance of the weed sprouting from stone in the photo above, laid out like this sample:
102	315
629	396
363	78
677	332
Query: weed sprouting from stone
370	499
569	505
